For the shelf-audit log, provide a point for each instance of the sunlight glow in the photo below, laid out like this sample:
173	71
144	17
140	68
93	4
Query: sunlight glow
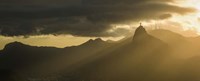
187	25
190	21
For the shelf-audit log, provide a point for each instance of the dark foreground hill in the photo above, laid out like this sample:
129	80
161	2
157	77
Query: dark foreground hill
145	58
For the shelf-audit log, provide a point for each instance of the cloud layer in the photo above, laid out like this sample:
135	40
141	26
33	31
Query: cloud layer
80	17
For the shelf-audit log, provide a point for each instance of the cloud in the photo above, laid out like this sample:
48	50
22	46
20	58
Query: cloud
165	16
80	17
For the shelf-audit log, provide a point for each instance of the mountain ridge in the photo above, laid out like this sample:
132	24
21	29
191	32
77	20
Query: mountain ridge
97	60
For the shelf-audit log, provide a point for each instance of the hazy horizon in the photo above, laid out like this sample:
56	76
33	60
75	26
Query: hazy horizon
132	40
83	19
68	40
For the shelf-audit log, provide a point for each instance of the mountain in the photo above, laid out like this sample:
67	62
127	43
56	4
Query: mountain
184	47
98	41
132	61
149	56
168	36
17	53
90	57
146	58
17	56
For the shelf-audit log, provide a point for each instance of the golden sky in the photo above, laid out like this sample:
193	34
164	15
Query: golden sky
185	24
60	41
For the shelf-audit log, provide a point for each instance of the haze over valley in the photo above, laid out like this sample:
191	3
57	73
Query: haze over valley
99	40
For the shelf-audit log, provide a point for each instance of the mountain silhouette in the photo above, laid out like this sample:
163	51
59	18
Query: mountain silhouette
140	33
14	45
128	62
183	46
94	42
148	57
17	56
168	36
141	36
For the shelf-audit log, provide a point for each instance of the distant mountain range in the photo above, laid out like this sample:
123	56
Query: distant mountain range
158	55
184	46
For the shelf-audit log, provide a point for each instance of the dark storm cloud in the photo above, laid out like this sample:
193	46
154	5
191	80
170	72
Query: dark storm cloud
79	17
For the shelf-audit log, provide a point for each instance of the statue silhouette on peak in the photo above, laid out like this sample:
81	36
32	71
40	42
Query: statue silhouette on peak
140	33
140	30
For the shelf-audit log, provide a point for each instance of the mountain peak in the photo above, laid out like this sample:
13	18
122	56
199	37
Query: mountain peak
94	41
15	44
140	30
140	33
99	40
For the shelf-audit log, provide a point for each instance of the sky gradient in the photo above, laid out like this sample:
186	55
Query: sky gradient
63	23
